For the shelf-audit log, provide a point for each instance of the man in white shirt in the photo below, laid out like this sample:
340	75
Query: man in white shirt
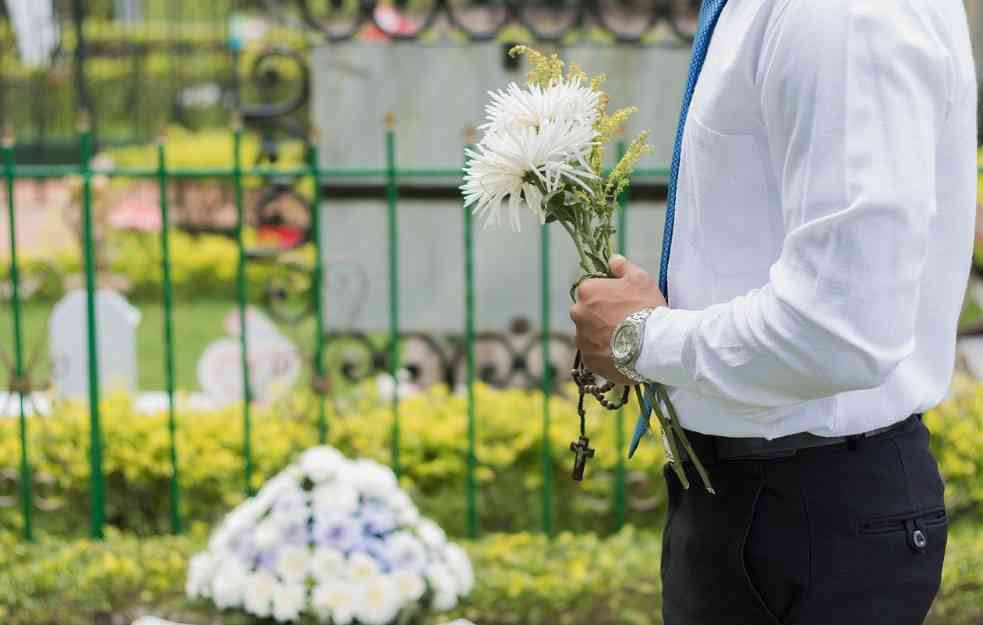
818	245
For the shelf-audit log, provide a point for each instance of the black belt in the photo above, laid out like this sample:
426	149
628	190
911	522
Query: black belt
710	448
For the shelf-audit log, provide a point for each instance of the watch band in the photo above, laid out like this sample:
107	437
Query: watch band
630	373
627	369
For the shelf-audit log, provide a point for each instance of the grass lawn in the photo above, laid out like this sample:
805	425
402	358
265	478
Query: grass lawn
197	322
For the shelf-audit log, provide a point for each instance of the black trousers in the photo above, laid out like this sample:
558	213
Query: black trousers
844	535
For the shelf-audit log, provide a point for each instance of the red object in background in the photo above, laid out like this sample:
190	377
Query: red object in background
138	209
393	22
282	236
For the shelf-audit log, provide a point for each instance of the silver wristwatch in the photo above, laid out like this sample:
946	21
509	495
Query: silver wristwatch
626	344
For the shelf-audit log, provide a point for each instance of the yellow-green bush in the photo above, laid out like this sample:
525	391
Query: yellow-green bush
522	579
203	149
433	448
957	440
201	265
433	457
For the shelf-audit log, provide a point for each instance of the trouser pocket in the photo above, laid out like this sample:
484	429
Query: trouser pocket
915	526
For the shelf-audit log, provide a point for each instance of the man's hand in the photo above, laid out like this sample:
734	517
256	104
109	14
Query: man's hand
602	304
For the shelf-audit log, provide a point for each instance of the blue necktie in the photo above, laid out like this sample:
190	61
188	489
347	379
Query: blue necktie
709	13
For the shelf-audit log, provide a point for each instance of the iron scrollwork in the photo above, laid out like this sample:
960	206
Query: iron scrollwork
626	21
279	90
504	359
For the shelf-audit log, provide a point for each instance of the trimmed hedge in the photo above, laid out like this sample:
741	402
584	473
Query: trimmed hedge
522	579
202	265
433	456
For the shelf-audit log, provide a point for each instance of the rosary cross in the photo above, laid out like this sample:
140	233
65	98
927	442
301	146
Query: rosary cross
584	451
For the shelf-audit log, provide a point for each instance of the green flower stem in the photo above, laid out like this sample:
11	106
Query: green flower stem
679	432
584	260
670	436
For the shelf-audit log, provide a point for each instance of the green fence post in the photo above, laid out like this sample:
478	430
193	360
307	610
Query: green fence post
547	380
392	197
98	512
247	396
165	265
469	347
320	386
19	383
619	471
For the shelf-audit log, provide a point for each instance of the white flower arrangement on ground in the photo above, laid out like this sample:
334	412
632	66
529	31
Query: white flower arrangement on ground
333	539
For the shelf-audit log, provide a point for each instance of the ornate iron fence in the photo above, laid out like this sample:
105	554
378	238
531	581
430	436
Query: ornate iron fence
455	355
189	66
626	21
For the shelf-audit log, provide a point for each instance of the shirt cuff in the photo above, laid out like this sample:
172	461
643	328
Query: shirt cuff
661	358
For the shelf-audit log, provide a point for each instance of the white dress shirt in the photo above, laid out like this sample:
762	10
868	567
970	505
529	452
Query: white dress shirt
824	219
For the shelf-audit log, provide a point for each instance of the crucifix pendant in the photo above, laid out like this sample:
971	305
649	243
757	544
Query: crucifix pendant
583	451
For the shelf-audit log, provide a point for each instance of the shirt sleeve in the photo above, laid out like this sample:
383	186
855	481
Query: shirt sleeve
852	94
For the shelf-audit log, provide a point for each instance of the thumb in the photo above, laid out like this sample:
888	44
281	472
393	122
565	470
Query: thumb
620	266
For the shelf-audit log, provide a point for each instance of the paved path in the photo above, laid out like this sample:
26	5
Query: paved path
41	223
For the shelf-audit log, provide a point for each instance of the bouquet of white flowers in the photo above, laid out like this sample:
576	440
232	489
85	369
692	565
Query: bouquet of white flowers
335	539
543	149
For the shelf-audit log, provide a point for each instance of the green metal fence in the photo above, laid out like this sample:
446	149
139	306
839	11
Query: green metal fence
237	174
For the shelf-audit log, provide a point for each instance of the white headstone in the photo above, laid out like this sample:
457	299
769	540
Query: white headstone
35	29
116	324
971	350
274	364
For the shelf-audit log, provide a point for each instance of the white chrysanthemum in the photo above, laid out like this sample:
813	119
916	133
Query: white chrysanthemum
406	551
258	593
406	512
377	557
518	166
410	584
400	501
516	107
228	583
408	516
328	564
235	523
379	601
293	562
267	533
291	507
285	481
373	479
201	568
444	587
362	566
431	534
321	463
288	602
460	566
335	601
334	498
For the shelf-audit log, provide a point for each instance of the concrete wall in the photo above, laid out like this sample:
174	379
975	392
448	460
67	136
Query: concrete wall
437	91
431	266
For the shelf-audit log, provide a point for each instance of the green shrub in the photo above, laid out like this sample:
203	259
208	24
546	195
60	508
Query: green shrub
433	456
522	579
432	451
957	440
202	265
204	149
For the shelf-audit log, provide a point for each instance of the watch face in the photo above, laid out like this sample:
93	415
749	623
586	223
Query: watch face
625	340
